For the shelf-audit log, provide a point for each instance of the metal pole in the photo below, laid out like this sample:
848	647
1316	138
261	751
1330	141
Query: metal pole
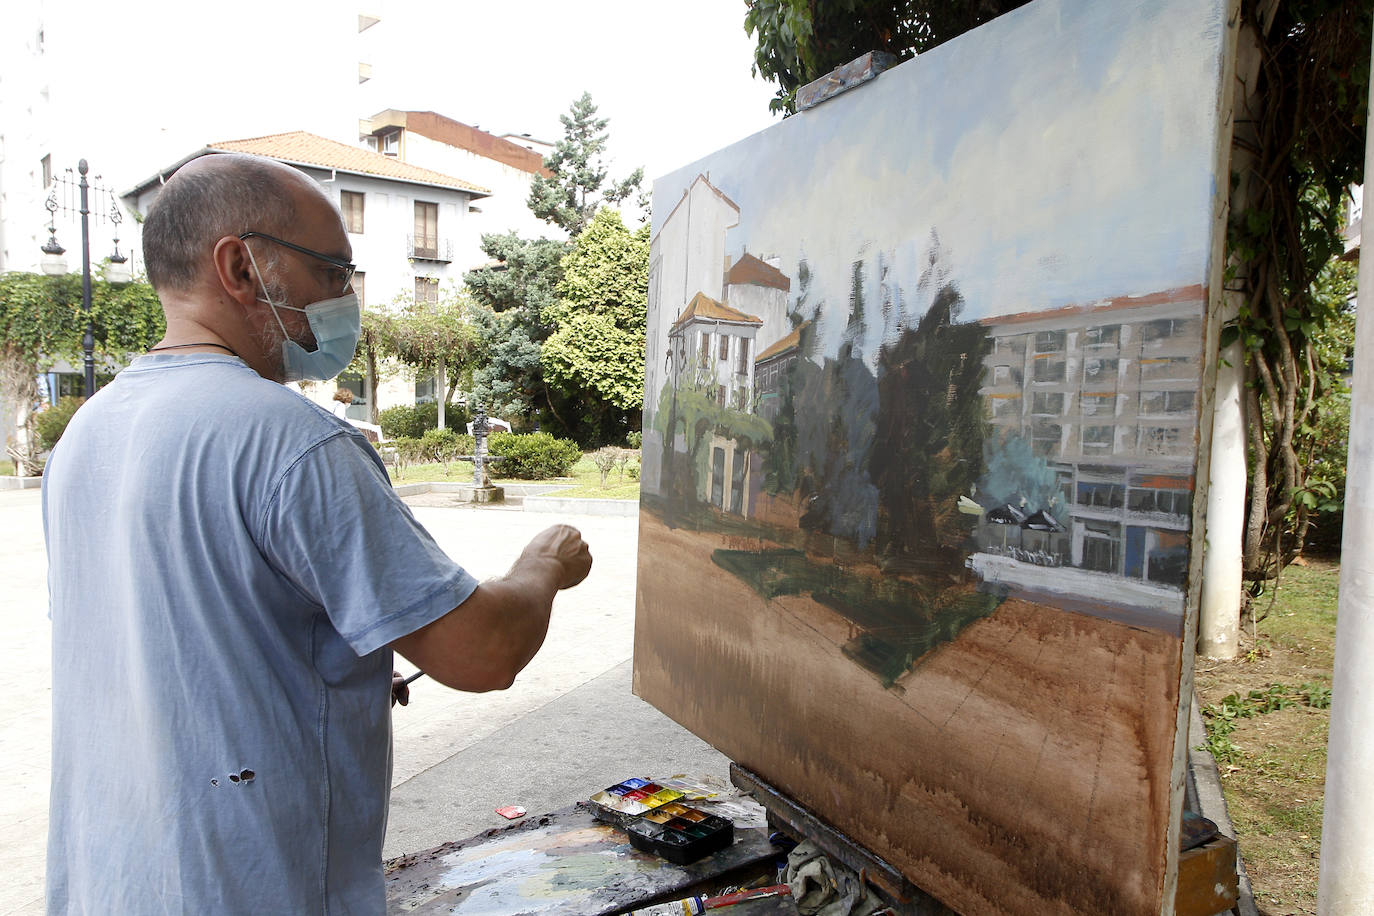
88	338
1346	884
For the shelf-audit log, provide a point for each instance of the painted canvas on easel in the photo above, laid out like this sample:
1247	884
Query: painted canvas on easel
921	441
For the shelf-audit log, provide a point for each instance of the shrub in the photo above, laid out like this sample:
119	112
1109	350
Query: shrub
409	450
533	456
412	422
605	458
634	439
50	422
445	445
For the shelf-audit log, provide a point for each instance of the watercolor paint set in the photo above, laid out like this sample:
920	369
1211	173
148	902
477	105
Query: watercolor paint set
623	802
679	833
656	820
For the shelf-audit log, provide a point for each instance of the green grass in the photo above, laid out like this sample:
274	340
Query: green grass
1267	726
6	468
584	480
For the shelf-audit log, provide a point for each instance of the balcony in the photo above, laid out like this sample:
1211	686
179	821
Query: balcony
437	251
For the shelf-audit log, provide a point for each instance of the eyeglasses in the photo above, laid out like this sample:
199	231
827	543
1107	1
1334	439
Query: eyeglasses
345	268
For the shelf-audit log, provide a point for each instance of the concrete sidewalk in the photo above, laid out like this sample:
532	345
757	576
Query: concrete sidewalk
568	727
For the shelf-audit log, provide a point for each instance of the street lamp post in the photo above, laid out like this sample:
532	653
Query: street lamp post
54	264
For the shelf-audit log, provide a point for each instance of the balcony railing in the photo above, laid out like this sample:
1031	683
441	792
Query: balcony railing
429	249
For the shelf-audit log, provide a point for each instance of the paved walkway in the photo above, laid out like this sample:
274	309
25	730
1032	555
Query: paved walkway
568	727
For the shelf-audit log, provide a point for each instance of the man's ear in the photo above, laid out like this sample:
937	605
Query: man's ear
235	271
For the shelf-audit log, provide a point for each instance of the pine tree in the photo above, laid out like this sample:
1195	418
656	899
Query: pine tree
578	186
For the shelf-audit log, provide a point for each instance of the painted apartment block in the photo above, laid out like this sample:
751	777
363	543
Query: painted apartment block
1108	396
408	226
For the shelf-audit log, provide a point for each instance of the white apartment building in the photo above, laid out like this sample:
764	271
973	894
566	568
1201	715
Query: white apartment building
503	165
410	227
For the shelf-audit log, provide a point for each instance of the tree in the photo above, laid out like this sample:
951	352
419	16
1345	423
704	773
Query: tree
1303	147
41	321
595	354
511	297
798	41
436	339
578	187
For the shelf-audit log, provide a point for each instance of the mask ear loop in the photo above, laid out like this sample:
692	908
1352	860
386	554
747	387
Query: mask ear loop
266	297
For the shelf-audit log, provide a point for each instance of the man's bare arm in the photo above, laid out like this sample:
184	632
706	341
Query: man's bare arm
483	643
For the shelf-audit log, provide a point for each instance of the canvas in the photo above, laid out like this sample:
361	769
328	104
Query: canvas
924	409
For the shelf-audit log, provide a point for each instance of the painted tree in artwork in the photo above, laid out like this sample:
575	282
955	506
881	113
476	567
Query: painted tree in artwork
835	411
929	440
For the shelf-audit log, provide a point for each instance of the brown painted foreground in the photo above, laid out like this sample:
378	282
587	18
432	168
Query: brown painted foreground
1020	769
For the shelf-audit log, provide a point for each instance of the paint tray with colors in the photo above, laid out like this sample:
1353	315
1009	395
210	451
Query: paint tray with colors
625	801
679	833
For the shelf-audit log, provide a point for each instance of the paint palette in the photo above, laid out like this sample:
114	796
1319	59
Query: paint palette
679	833
625	801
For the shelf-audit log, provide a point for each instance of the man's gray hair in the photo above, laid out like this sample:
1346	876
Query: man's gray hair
198	207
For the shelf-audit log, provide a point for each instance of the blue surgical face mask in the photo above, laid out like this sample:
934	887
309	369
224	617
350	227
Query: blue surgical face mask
336	324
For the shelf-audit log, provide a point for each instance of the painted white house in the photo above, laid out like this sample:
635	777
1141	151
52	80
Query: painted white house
502	166
411	229
686	257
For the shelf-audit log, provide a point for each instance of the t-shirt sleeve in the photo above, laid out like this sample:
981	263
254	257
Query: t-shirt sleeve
336	529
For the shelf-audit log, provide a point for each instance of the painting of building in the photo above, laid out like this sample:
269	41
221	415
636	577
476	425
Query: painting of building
920	489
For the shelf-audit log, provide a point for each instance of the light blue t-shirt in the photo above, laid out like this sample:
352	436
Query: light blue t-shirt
227	564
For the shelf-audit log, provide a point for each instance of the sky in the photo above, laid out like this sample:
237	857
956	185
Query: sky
139	85
1062	154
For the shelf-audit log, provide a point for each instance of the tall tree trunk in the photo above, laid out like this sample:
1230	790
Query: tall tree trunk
441	380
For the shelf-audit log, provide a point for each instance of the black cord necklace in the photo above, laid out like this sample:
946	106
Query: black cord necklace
183	346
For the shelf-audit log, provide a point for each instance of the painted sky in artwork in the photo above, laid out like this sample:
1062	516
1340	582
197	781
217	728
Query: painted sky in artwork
1064	153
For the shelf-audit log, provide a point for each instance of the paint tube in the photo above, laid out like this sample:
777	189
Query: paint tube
715	903
691	906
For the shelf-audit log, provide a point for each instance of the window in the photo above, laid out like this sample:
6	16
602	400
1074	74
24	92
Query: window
1157	402
425	390
1105	336
1047	403
724	347
743	367
391	143
46	163
351	203
354	383
426	290
1049	370
1098	438
1049	342
1008	346
720	395
704	351
426	230
1099	495
358	277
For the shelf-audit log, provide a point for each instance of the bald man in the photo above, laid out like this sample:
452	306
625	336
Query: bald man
229	572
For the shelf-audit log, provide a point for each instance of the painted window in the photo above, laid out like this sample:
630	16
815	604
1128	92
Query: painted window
1004	375
1045	437
1169	502
1107	335
743	367
351	203
1100	371
1048	369
1097	405
1098	439
1047	403
1166	328
1158	402
1006	407
1164	440
724	347
1049	342
1101	546
1167	368
1100	495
